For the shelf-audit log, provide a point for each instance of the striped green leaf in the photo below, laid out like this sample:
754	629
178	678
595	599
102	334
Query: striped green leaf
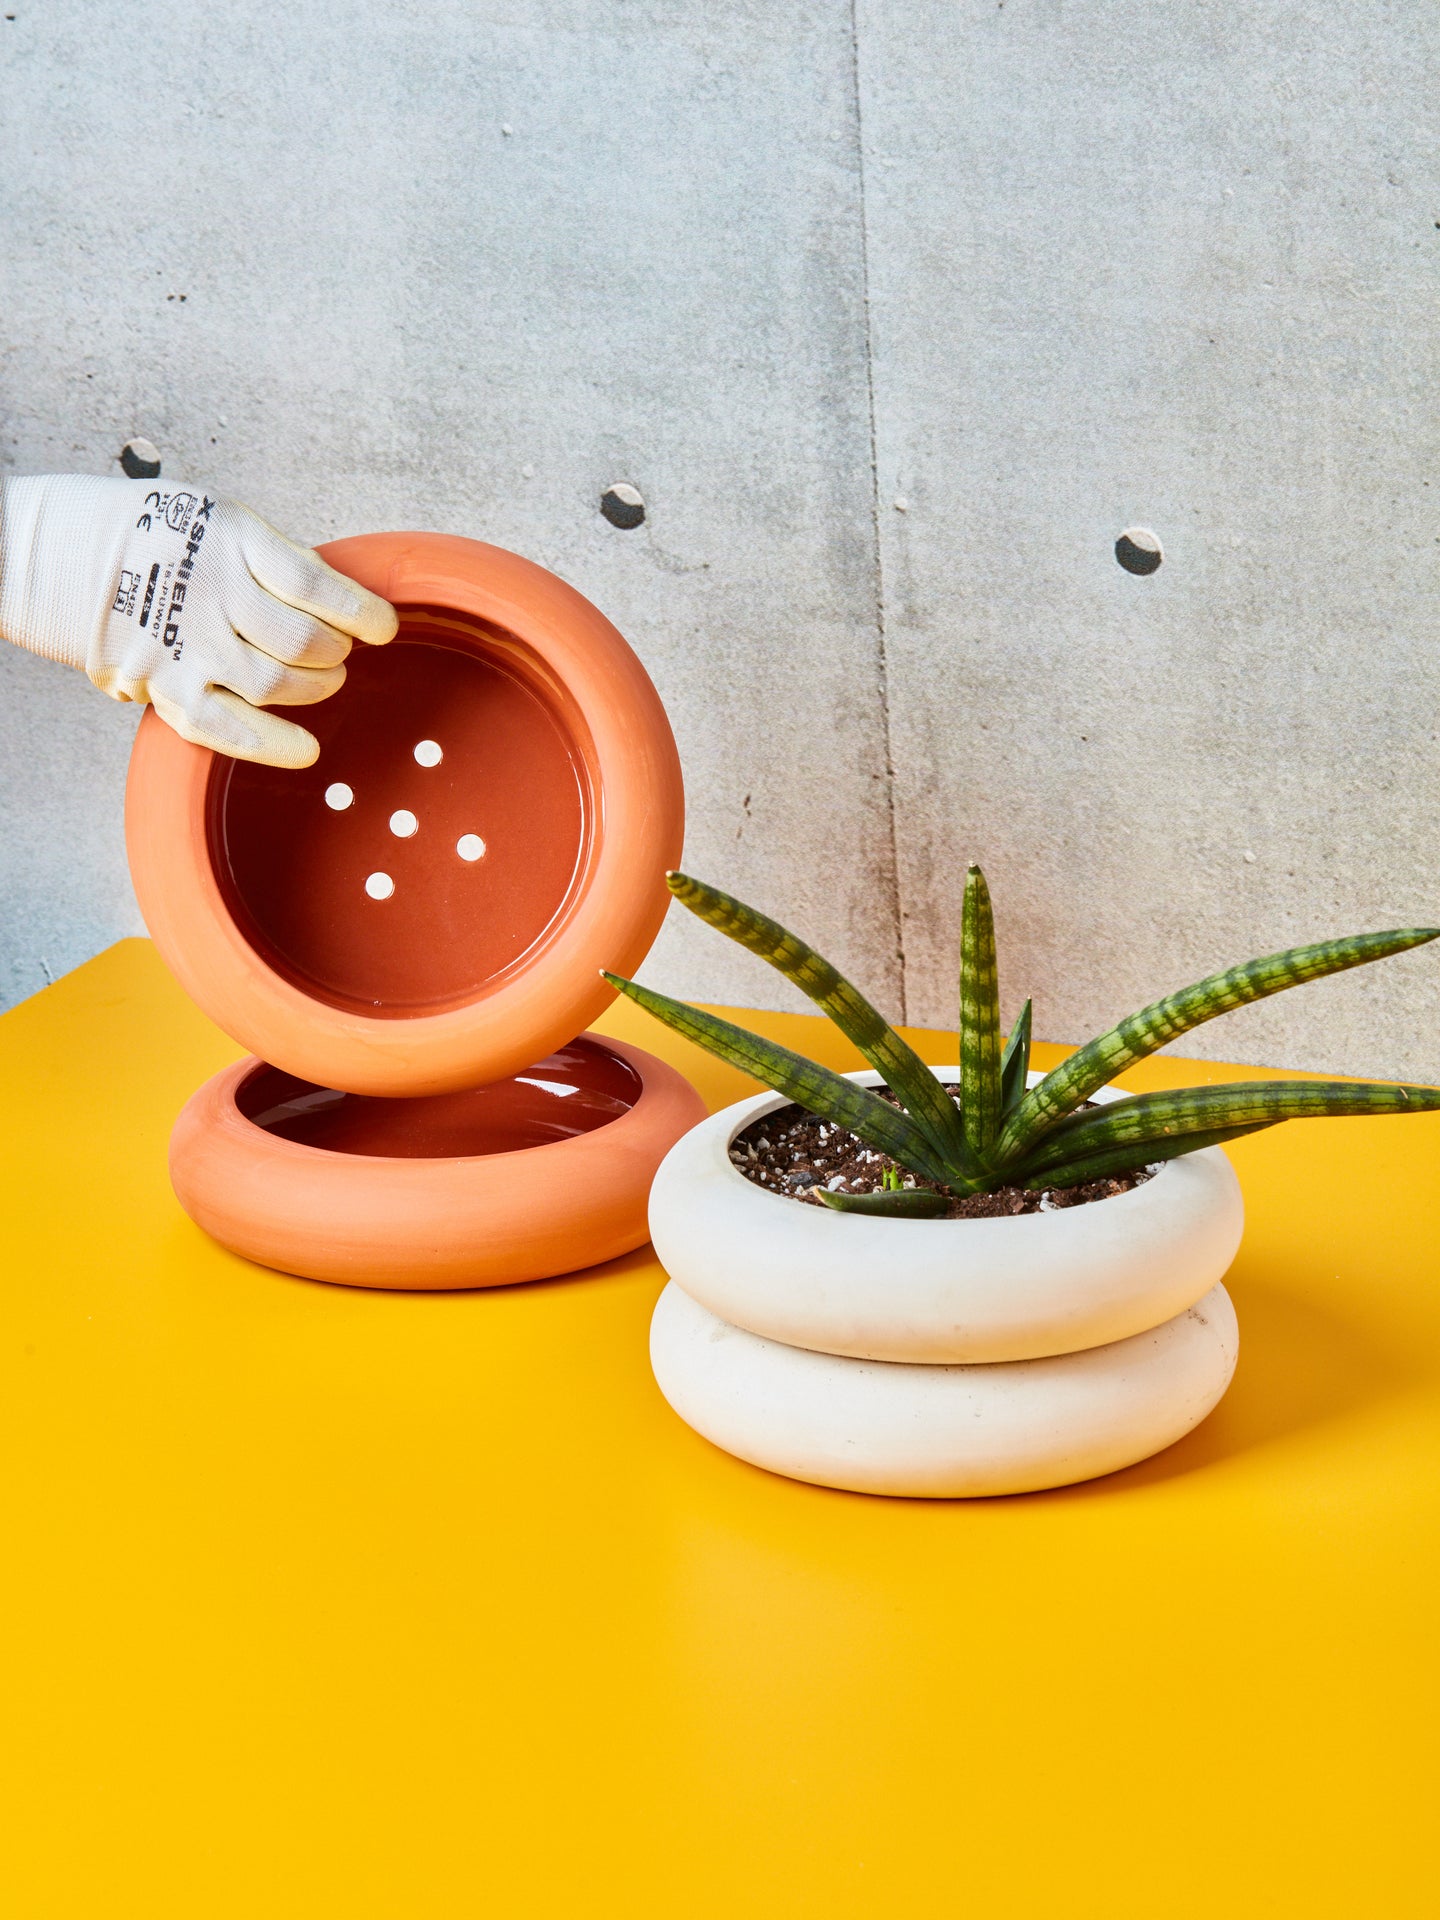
1113	1161
916	1203
905	1073
1151	1119
816	1088
1071	1083
979	1018
1015	1062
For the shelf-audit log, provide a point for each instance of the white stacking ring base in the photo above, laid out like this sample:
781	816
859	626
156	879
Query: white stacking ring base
878	1426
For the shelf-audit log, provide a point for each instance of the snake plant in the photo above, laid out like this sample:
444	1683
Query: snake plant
1002	1132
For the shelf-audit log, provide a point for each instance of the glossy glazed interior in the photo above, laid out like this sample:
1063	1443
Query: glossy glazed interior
512	778
578	1089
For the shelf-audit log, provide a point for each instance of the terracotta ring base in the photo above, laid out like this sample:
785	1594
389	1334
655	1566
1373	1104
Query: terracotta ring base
368	1219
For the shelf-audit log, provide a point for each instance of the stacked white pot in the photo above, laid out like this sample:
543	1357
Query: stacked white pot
940	1357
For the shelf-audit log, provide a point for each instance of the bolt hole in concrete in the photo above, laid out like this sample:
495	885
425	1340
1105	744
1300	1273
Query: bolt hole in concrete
428	754
403	823
1138	550
379	886
470	846
622	505
338	796
140	460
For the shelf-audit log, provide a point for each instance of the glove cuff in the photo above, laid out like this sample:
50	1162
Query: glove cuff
60	554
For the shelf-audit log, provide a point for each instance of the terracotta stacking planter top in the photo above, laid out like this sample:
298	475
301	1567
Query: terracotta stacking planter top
409	936
427	908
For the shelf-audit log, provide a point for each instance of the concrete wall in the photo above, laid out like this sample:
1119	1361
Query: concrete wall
897	316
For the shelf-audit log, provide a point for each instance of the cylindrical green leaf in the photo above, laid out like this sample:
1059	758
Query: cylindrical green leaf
1151	1119
979	1018
1114	1161
888	1129
1071	1083
906	1074
916	1203
1015	1061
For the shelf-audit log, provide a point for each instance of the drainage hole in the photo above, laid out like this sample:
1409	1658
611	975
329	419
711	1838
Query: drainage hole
470	847
403	823
338	797
379	886
428	754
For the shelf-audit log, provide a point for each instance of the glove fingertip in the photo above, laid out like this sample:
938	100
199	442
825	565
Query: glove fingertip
376	621
349	606
226	724
283	744
306	752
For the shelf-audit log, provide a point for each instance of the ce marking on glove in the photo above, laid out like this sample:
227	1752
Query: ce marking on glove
174	508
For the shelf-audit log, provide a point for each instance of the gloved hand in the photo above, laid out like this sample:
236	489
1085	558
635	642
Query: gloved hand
169	594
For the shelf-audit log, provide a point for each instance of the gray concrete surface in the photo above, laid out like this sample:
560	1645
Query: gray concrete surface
1039	271
396	313
1173	267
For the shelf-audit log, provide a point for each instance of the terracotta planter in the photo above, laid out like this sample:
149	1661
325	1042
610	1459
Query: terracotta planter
427	908
940	1357
938	1290
527	1177
882	1427
399	931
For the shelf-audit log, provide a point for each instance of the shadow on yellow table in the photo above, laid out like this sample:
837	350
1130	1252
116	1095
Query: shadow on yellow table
328	1602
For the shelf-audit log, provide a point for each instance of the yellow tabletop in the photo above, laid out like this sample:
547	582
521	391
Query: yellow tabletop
328	1602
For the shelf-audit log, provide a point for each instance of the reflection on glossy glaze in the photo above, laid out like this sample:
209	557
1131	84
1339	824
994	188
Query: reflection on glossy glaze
577	1090
498	761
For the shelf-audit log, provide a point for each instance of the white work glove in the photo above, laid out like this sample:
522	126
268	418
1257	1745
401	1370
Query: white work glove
174	595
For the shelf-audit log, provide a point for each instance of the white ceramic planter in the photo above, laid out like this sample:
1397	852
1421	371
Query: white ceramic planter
881	1427
938	1291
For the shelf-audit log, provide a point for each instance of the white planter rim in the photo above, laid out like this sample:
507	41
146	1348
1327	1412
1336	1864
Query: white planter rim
1003	1287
